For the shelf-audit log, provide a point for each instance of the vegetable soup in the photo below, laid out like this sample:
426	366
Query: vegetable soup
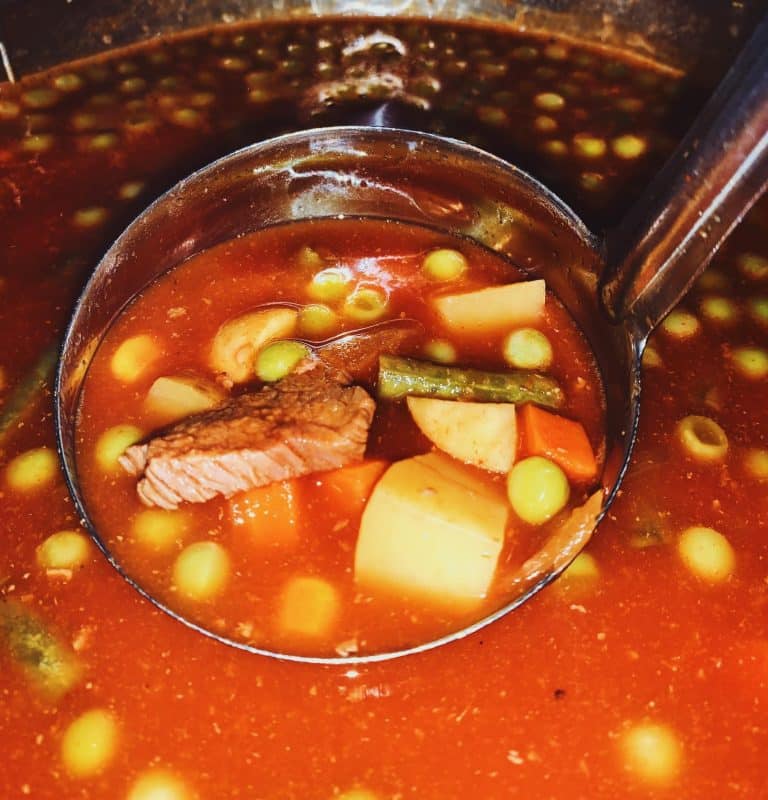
641	672
228	461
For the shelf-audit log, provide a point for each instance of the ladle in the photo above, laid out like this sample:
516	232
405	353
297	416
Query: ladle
617	290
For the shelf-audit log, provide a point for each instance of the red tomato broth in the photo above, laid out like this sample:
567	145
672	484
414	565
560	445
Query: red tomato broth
259	269
534	706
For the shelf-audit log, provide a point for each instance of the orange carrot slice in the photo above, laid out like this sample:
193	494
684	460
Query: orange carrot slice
269	514
559	439
354	483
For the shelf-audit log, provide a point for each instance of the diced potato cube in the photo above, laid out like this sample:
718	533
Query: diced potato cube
133	357
234	348
308	607
432	528
174	397
483	434
493	308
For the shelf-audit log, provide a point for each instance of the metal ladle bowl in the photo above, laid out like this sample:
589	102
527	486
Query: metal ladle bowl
616	290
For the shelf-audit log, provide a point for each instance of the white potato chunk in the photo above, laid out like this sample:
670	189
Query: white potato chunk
234	348
494	308
89	743
174	397
134	357
483	434
308	606
431	528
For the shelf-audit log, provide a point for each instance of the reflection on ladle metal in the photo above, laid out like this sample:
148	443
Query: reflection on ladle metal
665	243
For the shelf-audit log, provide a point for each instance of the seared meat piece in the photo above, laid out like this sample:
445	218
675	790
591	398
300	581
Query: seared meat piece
307	422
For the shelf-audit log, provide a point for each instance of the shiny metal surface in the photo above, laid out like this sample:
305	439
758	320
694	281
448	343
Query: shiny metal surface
698	36
709	183
361	172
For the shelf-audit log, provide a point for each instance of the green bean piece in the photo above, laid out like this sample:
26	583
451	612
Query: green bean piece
27	391
399	377
48	663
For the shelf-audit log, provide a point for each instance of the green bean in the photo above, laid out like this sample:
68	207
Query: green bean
49	663
399	377
27	391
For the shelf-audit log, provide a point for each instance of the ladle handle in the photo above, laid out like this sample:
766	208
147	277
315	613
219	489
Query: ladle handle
707	186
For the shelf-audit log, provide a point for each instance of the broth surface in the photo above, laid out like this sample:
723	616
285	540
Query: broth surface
642	673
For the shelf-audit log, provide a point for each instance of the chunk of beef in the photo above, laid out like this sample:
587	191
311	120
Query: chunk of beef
307	422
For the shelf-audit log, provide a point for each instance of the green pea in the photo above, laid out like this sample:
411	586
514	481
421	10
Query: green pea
712	280
9	109
309	259
628	146
366	304
588	146
680	324
492	115
127	68
260	96
527	348
317	321
719	309
103	141
555	147
89	217
68	82
756	463
753	266
706	553
441	351
233	63
444	264
538	489
758	308
549	101
651	357
40	98
591	180
278	359
751	362
202	99
130	190
329	285
133	85
37	142
545	124
188	117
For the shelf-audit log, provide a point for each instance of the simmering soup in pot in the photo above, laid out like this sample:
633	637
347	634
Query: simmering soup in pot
641	672
340	436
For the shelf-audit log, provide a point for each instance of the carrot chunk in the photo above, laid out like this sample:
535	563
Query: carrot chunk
354	483
559	439
269	514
